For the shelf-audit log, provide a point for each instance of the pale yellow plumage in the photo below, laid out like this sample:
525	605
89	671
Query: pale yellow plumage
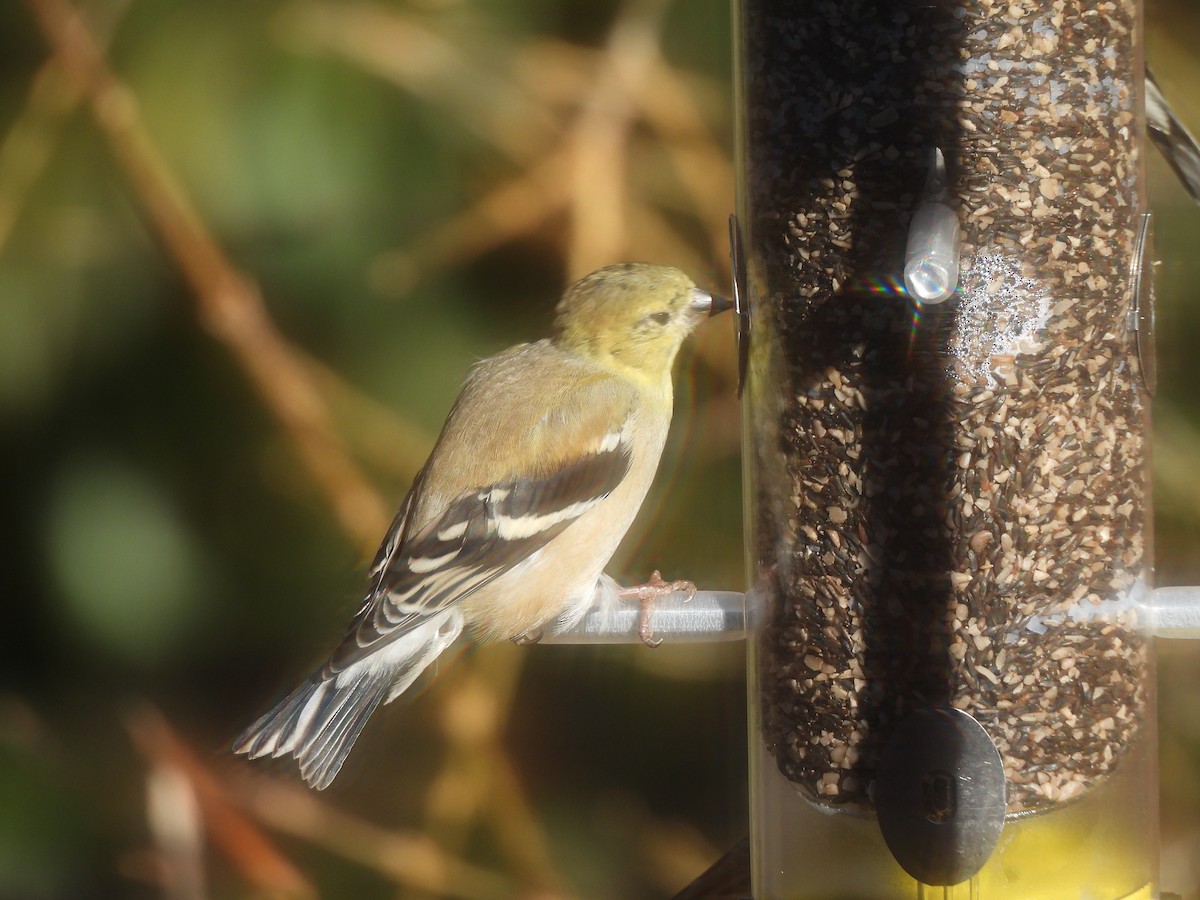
537	475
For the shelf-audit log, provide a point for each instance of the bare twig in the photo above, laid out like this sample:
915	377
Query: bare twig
173	815
705	171
30	141
229	304
397	46
599	136
410	859
379	437
234	834
479	780
512	209
597	97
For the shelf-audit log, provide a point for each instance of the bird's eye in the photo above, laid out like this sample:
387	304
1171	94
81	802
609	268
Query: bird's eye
659	318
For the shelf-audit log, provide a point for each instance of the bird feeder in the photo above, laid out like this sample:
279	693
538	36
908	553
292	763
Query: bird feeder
944	237
942	278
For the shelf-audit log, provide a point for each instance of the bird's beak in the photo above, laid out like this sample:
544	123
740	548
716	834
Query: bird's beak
705	303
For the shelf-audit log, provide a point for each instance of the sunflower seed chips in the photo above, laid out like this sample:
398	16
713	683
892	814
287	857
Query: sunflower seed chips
950	501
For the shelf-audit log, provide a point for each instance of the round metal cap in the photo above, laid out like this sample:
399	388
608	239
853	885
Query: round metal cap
940	795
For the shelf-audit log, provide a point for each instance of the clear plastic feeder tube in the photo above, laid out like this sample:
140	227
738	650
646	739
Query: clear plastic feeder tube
948	502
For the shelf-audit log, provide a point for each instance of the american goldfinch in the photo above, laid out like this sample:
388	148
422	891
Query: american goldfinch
537	475
1172	138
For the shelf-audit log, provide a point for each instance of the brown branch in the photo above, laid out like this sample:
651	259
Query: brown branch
585	172
599	138
516	825
397	46
408	858
479	779
30	141
229	304
704	169
514	208
389	443
238	838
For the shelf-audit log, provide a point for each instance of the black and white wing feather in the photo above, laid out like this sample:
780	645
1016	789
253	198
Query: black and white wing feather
481	535
1172	138
411	613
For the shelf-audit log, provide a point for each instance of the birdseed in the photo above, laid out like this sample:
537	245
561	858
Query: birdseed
952	501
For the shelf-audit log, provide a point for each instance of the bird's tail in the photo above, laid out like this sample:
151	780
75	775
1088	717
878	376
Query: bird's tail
319	722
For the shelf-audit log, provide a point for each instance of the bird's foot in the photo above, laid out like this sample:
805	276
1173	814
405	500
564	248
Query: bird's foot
646	594
530	637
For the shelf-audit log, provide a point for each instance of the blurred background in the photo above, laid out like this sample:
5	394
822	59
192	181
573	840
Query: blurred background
242	275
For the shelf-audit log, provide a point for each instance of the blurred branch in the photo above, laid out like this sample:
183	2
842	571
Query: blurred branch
237	837
568	116
504	213
599	138
674	853
479	779
516	825
31	139
174	819
397	47
228	303
705	171
379	437
409	859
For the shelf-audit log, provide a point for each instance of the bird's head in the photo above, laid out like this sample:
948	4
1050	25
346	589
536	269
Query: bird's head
634	315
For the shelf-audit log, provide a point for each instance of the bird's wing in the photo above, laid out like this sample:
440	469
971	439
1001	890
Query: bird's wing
391	541
1172	138
489	528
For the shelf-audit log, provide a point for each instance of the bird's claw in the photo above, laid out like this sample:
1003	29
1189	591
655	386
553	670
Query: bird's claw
646	595
529	637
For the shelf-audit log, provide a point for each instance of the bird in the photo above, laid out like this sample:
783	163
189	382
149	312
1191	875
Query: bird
537	474
1172	138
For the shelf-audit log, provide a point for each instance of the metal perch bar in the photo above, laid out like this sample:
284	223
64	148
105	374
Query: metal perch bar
712	616
1176	612
707	616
